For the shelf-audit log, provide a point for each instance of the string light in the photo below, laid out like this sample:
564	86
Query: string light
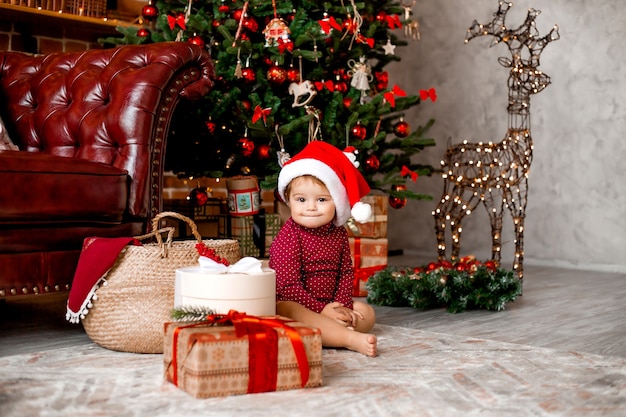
498	170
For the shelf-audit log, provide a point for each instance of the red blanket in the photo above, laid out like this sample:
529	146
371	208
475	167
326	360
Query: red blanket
96	259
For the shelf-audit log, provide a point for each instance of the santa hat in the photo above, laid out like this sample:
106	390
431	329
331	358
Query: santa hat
337	171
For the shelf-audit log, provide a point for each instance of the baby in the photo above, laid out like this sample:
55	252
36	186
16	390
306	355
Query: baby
311	253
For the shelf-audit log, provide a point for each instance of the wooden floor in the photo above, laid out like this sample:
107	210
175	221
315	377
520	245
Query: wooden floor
561	309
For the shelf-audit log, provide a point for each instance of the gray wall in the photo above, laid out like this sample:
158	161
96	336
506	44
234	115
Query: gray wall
576	214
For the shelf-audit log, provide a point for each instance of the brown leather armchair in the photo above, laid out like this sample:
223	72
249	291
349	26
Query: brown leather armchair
92	129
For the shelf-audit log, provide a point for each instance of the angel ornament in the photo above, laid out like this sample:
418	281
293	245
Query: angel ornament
361	76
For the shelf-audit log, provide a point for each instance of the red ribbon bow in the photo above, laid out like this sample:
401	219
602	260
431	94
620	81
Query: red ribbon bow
390	95
393	21
328	24
259	112
284	44
406	171
431	93
262	348
179	20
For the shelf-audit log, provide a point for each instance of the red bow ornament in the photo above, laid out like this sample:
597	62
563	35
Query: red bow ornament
431	93
284	44
179	20
406	171
393	21
390	95
328	24
260	112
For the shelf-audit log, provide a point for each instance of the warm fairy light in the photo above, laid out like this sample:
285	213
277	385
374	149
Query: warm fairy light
498	170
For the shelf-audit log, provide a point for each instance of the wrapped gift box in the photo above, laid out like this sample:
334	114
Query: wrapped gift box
377	227
208	360
241	229
368	256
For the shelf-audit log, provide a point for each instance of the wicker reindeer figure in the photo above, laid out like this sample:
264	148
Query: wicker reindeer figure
496	174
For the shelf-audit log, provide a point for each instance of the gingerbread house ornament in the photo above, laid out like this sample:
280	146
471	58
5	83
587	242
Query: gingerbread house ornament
276	29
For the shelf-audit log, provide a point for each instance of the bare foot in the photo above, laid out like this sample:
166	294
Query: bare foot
364	343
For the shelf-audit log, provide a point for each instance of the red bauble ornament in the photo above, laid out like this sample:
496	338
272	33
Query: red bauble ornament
196	40
210	125
246	105
149	12
347	101
248	74
293	75
276	75
341	86
250	24
402	129
358	132
381	16
223	8
372	163
198	196
246	145
143	33
237	15
397	202
263	151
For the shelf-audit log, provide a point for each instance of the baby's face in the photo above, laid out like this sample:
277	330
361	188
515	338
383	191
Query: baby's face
310	202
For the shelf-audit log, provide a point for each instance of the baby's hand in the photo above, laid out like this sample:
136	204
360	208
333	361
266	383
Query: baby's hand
339	313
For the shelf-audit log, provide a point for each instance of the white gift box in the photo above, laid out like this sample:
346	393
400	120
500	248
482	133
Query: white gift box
251	293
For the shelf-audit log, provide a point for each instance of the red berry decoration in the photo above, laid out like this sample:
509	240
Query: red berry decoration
402	129
246	145
397	202
372	163
358	132
149	12
198	196
276	75
347	102
250	24
143	33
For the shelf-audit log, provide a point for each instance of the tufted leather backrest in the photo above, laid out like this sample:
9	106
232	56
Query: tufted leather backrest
106	105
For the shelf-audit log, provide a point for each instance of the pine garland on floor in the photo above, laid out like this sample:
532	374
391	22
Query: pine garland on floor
463	286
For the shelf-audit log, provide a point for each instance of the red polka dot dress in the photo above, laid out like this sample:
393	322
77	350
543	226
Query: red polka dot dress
313	266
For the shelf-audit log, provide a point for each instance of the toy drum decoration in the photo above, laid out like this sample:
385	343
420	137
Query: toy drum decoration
244	197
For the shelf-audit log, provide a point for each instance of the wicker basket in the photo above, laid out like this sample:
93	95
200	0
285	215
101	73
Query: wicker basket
129	309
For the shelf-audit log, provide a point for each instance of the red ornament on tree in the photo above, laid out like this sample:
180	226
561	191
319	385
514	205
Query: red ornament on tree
372	163
293	75
149	12
402	129
263	151
246	145
210	125
358	132
276	75
196	40
143	33
223	8
347	101
198	196
397	202
248	74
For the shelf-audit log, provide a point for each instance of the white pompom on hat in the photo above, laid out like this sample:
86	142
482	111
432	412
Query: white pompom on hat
337	171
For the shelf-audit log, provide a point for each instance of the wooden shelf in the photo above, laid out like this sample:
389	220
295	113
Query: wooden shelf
56	24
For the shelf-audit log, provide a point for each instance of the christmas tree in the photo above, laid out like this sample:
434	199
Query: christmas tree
290	72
